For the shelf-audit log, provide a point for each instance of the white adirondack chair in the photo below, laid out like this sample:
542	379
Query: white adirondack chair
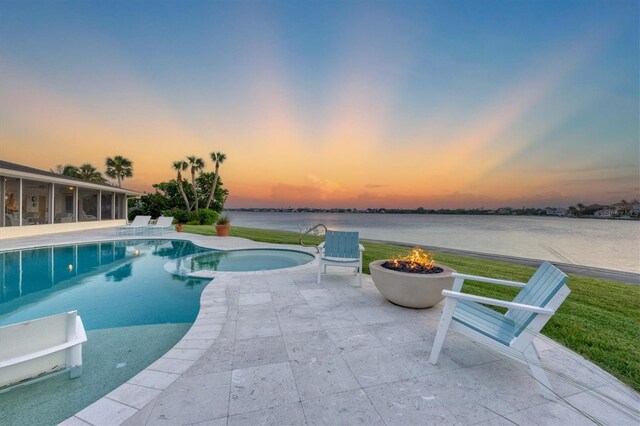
341	248
513	332
139	224
33	349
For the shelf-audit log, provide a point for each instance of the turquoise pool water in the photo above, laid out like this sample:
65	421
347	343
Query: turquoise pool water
111	284
124	297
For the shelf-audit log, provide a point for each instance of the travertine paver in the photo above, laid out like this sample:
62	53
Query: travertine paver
133	395
322	375
193	399
259	351
282	415
263	386
350	408
309	345
278	348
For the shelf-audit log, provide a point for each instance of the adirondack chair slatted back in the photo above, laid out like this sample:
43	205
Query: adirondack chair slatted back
540	289
341	244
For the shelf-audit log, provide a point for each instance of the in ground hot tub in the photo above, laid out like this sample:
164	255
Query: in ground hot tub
247	260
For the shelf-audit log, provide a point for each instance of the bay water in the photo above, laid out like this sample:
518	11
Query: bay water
609	244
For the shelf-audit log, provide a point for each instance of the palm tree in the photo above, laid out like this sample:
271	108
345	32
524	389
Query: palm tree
58	169
197	164
69	170
119	168
180	166
218	157
89	173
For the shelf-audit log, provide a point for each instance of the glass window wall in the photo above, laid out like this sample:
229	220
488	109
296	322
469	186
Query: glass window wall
35	202
119	213
63	204
106	206
11	202
31	203
87	205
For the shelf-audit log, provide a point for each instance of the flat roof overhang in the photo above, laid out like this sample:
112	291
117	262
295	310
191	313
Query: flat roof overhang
62	180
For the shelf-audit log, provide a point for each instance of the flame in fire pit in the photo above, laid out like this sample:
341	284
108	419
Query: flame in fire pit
417	259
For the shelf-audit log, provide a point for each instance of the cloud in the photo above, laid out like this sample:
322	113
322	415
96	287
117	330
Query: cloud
324	185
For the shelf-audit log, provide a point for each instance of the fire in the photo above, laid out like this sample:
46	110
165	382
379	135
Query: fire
418	258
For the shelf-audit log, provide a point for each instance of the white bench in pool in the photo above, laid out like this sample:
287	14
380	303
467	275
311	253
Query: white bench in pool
33	349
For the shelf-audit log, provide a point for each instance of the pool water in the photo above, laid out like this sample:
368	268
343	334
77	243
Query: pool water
111	284
124	296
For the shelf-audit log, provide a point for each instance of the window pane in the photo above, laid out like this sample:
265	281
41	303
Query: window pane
87	205
63	211
119	206
106	206
35	202
11	202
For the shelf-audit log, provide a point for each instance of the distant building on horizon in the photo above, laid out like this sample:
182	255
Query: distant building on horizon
556	211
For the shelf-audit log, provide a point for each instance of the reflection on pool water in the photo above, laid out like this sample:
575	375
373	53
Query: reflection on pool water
239	261
124	296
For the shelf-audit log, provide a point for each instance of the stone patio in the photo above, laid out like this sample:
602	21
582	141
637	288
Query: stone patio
277	348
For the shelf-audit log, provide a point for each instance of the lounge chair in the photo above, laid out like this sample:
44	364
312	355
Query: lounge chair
163	223
84	217
340	249
139	223
511	333
34	348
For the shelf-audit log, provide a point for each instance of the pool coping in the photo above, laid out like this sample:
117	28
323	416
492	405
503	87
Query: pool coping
130	397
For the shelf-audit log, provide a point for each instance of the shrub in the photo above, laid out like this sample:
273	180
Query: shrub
135	212
179	215
201	217
207	216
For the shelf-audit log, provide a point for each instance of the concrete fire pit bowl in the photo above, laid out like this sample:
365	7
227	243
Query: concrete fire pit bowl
408	289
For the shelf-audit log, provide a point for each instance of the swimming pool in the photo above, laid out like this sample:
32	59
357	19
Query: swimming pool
111	284
126	292
124	297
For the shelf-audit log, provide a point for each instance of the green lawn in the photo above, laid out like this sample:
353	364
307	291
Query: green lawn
600	319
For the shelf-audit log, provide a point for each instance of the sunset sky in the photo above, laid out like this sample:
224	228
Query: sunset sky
334	104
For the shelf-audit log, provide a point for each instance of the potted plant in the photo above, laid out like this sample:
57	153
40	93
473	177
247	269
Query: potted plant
222	226
413	281
180	217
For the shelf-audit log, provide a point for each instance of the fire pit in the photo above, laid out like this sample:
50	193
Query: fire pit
413	281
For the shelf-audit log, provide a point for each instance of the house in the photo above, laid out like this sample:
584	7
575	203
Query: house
623	208
606	212
35	202
550	211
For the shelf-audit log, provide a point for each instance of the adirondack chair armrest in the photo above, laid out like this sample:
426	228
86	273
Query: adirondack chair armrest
497	302
488	280
321	245
361	247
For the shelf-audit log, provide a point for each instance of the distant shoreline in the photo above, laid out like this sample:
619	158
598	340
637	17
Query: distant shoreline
439	213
